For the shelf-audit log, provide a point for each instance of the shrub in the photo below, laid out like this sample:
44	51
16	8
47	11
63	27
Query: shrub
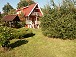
59	23
6	34
20	33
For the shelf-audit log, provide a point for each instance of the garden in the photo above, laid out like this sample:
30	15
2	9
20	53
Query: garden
7	34
40	46
56	36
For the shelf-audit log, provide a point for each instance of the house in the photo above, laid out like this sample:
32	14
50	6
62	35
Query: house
31	14
11	20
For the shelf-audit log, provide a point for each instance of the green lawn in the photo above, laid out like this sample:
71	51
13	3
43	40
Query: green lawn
41	46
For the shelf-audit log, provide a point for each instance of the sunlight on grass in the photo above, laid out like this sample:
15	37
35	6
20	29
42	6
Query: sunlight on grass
41	46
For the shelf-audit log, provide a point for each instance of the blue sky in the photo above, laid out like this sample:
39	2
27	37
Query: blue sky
14	3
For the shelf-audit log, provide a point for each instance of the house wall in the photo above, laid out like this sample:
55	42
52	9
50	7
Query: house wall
32	21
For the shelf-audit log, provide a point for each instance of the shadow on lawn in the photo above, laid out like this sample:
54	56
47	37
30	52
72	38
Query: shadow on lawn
28	35
18	43
21	42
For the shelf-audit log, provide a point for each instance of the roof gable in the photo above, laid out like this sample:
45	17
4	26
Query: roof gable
29	9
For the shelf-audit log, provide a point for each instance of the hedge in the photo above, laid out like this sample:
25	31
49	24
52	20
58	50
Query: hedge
59	24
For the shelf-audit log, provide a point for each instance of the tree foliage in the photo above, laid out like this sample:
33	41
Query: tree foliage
7	8
60	23
6	34
12	11
23	20
0	17
24	3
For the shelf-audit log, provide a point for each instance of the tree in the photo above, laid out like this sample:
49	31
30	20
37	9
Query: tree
12	11
30	2
7	8
22	18
53	3
24	3
60	23
0	16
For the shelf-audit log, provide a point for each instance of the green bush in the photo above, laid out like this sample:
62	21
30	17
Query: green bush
6	34
59	23
20	33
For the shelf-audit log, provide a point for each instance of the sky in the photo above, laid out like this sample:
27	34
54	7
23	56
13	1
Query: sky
13	3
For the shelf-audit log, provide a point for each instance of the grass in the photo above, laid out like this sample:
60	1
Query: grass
41	46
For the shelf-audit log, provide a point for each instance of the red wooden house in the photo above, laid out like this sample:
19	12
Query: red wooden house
32	14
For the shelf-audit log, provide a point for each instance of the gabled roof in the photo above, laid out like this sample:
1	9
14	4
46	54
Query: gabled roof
10	18
28	9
